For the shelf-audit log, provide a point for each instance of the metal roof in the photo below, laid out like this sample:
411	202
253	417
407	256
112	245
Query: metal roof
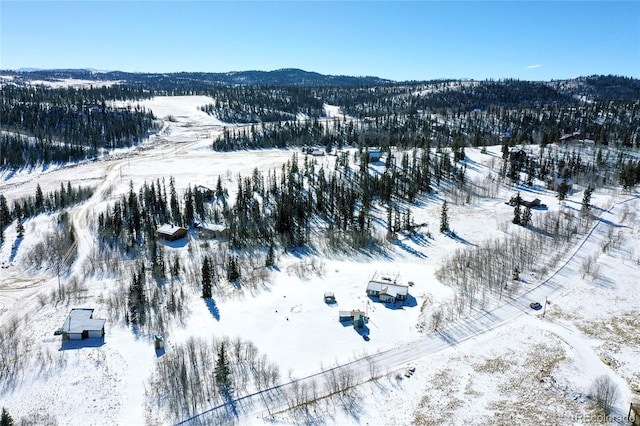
80	320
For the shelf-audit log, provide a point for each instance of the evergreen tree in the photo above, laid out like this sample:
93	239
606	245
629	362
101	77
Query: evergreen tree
39	202
270	260
444	219
219	191
516	214
233	269
5	214
206	278
525	220
586	199
20	227
562	189
563	186
6	419
175	205
222	371
175	269
137	301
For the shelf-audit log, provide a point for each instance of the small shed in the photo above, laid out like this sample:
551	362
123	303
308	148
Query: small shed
171	232
80	324
158	342
329	298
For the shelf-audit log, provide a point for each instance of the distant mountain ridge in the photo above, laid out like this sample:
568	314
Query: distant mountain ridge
596	87
281	77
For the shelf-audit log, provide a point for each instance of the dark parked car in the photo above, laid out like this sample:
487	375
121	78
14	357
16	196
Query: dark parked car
535	305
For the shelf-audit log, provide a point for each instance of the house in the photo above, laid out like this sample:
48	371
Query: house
387	289
374	155
80	324
351	315
317	152
212	230
518	155
534	204
206	192
171	232
569	137
553	183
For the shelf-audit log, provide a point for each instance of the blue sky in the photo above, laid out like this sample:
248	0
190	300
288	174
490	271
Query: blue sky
416	40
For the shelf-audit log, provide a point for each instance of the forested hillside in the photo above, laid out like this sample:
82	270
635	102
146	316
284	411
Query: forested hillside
42	125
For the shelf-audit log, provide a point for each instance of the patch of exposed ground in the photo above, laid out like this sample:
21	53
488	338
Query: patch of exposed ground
516	382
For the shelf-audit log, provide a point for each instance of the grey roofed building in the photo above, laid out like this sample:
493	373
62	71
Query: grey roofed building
387	289
80	324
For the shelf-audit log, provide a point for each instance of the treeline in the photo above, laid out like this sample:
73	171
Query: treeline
594	166
282	207
41	203
250	104
18	151
605	124
43	125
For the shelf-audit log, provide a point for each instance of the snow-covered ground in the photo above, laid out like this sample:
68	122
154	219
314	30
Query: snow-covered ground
520	368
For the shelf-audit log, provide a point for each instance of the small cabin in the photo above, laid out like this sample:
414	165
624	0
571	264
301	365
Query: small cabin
171	232
80	324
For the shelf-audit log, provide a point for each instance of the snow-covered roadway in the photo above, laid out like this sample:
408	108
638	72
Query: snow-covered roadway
257	407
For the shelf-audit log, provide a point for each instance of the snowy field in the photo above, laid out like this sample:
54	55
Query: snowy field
524	369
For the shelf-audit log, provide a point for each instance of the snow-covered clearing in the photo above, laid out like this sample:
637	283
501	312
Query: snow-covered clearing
509	365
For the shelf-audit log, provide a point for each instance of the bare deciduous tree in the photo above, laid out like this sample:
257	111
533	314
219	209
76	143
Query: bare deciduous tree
605	393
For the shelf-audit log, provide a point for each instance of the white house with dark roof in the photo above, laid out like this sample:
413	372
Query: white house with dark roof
387	289
80	324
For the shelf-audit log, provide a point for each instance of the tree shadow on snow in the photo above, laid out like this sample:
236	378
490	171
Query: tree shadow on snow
447	337
414	252
459	239
14	249
213	308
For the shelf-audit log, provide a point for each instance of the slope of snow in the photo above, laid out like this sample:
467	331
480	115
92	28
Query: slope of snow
288	320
